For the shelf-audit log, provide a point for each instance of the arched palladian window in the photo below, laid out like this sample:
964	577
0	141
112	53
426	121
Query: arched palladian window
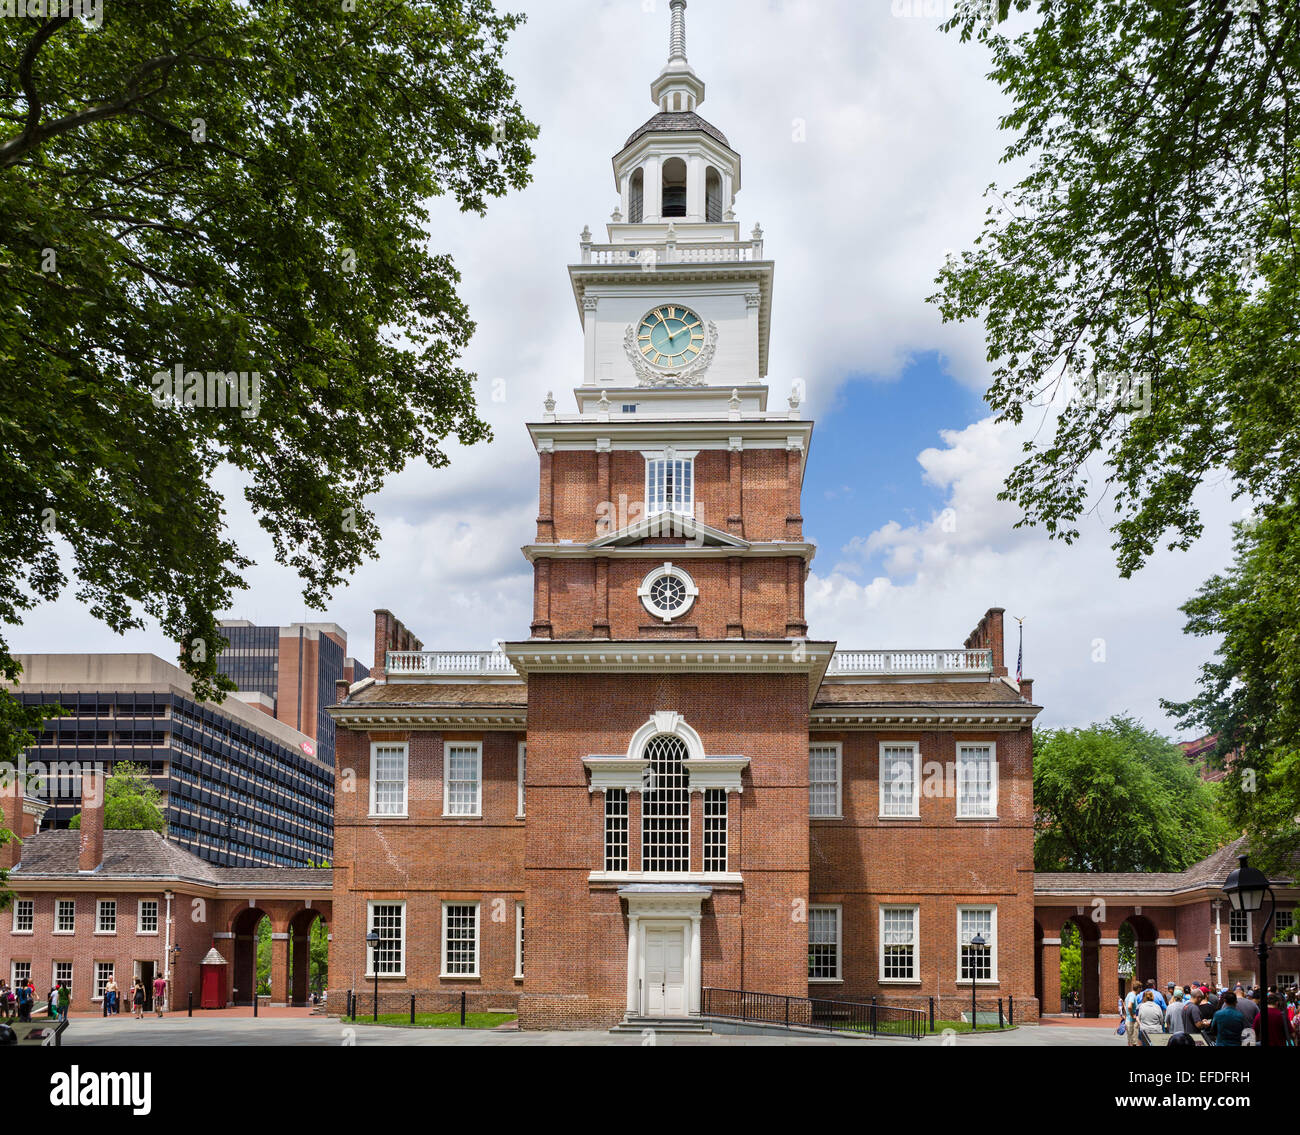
636	197
712	195
666	806
674	198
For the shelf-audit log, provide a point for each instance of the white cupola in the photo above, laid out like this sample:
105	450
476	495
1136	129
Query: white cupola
677	166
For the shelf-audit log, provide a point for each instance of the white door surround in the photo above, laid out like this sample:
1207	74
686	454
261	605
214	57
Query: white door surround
663	948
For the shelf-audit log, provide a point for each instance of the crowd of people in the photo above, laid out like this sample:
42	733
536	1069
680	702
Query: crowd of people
1195	1013
19	1002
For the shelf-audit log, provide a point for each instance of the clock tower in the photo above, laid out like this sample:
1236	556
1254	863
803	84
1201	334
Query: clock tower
668	670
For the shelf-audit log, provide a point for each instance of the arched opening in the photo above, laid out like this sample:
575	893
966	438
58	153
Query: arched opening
1080	975
308	956
251	963
1137	952
665	806
1038	966
674	198
636	197
712	195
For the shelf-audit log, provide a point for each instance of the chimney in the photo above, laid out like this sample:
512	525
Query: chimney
92	820
390	634
341	690
988	636
11	804
1027	689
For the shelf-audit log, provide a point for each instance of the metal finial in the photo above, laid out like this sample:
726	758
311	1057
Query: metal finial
677	37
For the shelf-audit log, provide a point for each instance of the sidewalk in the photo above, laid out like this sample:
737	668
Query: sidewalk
282	1012
1111	1022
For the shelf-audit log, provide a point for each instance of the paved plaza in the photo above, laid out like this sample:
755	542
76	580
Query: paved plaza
324	1031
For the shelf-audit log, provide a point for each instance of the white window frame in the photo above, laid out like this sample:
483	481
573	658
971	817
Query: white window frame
1286	980
97	993
478	942
838	908
992	979
838	814
370	925
1279	929
139	917
519	941
14	963
661	572
1250	929
54	972
100	904
915	813
405	746
685	457
30	905
447	747
992	814
915	912
519	776
57	904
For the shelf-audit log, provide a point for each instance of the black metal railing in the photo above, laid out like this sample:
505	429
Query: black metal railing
862	1018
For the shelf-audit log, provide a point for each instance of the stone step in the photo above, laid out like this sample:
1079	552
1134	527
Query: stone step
674	1025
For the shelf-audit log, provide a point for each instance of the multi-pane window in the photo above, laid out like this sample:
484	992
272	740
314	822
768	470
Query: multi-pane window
65	916
976	790
899	788
24	916
519	939
20	973
898	943
388	764
103	975
823	943
388	959
148	920
715	829
666	807
975	962
1239	926
616	829
1286	981
63	975
1282	923
669	486
106	916
461	776
523	765
824	780
460	939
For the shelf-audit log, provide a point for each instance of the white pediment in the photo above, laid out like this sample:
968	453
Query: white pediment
670	524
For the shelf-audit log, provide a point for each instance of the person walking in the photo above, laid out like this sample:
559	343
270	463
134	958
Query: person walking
137	999
159	993
1279	1028
8	1003
52	1002
65	999
110	992
1150	1017
1174	1021
25	995
1229	1024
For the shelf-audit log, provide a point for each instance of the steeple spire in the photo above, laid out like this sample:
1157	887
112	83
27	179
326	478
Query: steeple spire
677	88
677	37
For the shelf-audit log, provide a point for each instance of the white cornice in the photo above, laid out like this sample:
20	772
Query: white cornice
886	718
534	552
381	716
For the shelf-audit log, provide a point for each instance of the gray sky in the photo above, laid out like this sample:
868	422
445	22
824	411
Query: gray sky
867	138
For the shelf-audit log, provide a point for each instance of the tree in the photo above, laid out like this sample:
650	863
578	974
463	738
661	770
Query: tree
1148	256
1071	960
264	956
1250	690
1119	797
320	954
131	802
215	250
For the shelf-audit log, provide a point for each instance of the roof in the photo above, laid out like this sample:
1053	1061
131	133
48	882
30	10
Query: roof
149	855
996	692
1208	873
677	121
442	693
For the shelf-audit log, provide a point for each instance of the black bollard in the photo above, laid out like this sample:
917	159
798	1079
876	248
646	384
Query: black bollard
462	1008
412	1008
190	1010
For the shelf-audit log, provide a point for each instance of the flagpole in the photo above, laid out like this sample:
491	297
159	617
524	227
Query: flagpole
1020	653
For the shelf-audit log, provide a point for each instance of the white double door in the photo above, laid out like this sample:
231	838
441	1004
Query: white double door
665	969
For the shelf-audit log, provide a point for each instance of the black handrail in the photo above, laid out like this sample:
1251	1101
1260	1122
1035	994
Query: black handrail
858	1017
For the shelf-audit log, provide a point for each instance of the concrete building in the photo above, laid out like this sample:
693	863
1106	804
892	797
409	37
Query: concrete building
240	788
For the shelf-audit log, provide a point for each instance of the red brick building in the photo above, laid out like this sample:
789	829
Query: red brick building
667	788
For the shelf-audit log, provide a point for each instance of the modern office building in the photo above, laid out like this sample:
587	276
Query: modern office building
240	788
289	673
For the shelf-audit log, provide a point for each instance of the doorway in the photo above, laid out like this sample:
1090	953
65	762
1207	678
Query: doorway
665	969
145	972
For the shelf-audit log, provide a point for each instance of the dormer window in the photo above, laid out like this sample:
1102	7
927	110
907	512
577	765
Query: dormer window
670	484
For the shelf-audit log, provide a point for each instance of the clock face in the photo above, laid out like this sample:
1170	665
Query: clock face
670	336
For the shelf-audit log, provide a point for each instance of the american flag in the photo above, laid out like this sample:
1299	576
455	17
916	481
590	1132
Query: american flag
1020	655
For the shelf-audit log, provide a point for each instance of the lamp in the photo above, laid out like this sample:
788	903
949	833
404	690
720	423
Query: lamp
976	943
372	940
1246	888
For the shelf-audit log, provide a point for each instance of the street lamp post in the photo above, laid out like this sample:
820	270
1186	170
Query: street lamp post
1246	888
372	940
1209	965
976	943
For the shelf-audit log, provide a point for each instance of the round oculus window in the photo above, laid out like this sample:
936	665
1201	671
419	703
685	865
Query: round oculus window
667	592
